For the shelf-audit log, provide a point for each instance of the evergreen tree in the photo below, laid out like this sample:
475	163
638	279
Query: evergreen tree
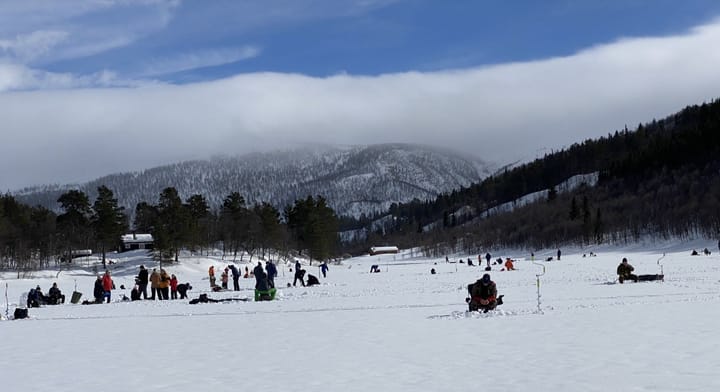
314	226
574	212
231	218
199	225
171	231
74	224
108	221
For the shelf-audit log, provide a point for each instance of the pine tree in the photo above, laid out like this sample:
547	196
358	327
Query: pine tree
574	212
74	224
108	221
171	231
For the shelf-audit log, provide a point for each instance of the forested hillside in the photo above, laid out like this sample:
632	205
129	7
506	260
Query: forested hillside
660	179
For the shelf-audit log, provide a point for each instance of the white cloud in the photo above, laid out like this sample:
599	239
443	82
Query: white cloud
199	59
26	47
42	31
500	113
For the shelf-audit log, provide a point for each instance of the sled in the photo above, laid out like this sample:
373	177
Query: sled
645	278
265	295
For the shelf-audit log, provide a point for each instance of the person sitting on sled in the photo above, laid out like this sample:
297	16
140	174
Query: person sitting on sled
624	271
483	294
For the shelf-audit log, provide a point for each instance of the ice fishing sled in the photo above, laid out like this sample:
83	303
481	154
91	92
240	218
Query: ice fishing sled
265	295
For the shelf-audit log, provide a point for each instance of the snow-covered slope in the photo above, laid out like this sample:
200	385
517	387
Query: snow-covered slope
399	330
355	180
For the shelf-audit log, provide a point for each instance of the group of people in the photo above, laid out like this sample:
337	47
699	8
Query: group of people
163	286
36	297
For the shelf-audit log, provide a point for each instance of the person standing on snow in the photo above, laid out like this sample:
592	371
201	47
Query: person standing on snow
142	281
224	279
299	273
173	286
235	277
164	285
154	283
107	285
271	273
324	269
211	275
558	254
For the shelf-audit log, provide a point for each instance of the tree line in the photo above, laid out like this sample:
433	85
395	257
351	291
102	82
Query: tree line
35	237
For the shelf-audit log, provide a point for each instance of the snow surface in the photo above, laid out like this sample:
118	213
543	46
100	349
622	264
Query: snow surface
399	330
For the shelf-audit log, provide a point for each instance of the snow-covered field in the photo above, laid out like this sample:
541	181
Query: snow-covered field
399	330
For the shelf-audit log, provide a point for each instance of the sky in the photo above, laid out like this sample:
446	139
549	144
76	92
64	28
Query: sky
93	87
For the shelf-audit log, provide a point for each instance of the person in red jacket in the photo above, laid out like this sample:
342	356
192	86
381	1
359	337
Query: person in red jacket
107	284
173	287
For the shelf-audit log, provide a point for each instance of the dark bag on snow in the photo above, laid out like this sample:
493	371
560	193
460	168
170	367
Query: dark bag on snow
20	313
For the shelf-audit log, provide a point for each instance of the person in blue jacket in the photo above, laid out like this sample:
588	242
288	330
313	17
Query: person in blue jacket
235	277
324	268
271	273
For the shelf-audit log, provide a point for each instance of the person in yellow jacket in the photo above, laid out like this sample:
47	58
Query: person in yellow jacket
154	283
164	285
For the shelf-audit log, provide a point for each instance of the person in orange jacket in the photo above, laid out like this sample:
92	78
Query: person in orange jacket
509	266
211	274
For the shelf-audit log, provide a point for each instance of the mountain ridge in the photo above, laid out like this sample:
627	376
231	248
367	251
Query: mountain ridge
355	180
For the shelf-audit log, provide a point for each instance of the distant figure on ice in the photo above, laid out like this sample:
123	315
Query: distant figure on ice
55	296
35	298
483	294
299	274
509	266
312	280
706	251
694	253
154	283
235	277
164	285
558	254
173	286
135	293
432	271
470	262
98	290
211	275
488	257
183	288
260	278
374	269
107	285
323	269
624	271
224	278
142	281
271	273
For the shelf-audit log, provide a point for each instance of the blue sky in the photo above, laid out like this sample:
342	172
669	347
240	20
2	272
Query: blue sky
92	87
188	41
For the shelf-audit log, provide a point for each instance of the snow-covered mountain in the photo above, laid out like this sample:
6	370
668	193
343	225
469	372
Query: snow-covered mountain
354	180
